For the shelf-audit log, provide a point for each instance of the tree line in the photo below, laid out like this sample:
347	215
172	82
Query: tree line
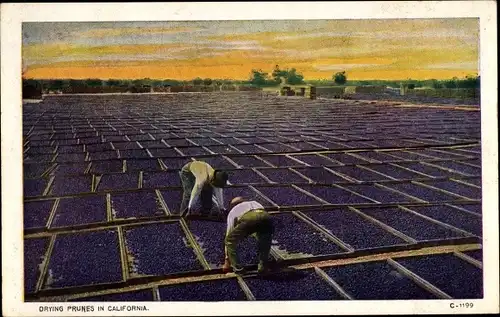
470	81
60	84
258	78
292	77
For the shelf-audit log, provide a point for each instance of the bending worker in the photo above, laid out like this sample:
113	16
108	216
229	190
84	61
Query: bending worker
247	218
202	188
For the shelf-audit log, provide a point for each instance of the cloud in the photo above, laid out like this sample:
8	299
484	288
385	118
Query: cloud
256	36
51	52
459	65
345	66
233	45
113	32
111	58
312	34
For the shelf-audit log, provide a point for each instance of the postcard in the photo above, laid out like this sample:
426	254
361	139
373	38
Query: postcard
237	158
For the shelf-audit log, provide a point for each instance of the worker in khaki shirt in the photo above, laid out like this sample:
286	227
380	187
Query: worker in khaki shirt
247	218
202	188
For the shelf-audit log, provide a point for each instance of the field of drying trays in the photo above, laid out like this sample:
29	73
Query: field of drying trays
370	200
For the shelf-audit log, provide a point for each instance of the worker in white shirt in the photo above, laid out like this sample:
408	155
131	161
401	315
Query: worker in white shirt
202	188
247	218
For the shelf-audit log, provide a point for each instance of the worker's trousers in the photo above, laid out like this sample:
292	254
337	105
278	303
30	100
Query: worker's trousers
188	181
257	223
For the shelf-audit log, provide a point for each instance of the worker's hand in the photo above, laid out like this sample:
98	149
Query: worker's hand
227	266
222	214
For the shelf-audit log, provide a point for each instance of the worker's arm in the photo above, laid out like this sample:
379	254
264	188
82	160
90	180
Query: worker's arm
219	197
231	220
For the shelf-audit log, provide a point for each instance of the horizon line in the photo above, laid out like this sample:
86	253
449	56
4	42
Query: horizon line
234	79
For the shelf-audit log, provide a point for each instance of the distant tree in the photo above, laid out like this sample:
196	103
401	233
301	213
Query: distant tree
125	83
171	82
113	83
93	82
258	77
294	78
207	81
291	76
278	73
197	81
156	83
453	83
340	78
470	81
56	84
76	83
436	84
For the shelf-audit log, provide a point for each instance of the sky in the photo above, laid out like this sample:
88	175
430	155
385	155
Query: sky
364	49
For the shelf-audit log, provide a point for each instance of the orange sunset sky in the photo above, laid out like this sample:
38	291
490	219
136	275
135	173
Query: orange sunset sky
365	49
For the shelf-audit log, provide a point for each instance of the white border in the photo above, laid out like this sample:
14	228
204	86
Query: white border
12	15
